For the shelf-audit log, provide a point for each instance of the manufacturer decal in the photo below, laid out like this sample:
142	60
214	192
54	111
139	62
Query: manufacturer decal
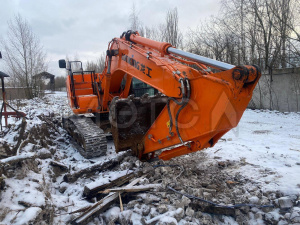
139	66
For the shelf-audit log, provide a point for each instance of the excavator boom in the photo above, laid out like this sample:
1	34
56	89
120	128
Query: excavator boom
157	97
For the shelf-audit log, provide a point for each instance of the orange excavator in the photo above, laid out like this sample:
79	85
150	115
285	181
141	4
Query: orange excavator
156	100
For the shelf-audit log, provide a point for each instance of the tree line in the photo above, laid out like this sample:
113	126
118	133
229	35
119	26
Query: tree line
262	32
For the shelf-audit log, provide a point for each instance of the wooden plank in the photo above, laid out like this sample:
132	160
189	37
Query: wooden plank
91	170
132	189
17	158
60	165
121	203
118	181
101	206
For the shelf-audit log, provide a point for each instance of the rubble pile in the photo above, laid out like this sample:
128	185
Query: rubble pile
212	182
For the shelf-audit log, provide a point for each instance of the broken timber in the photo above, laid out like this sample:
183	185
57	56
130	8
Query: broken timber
48	122
11	162
21	135
16	159
92	192
90	170
102	205
60	165
132	189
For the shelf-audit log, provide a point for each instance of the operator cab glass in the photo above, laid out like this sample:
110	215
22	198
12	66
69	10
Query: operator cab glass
139	88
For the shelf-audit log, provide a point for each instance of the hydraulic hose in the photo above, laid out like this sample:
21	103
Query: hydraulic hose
177	102
181	108
185	86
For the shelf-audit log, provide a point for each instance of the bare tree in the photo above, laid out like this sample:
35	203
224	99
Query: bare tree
101	62
97	66
168	31
24	56
252	31
135	23
172	34
213	40
60	83
287	24
155	32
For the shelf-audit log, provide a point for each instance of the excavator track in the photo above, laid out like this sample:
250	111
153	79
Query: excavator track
87	134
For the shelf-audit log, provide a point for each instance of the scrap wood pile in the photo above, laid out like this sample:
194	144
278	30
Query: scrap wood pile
177	193
113	195
115	189
132	192
143	193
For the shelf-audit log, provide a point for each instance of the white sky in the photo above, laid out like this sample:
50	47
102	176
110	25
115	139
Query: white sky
84	28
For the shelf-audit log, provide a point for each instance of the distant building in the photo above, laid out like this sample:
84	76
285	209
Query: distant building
47	76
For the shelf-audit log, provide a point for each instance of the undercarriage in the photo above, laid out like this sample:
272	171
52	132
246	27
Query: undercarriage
129	120
87	134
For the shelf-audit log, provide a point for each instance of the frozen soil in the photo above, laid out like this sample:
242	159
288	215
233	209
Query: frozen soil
257	164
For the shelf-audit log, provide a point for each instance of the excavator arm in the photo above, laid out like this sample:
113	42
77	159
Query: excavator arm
198	99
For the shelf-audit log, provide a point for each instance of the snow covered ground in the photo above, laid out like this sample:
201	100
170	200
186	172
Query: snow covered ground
258	159
266	140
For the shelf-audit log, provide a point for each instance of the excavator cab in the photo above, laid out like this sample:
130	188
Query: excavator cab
83	87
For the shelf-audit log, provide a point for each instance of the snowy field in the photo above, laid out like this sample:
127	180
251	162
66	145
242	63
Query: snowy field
266	140
258	162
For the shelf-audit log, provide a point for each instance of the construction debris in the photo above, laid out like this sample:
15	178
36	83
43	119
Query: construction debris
13	160
132	189
101	205
91	192
168	217
91	170
60	165
16	159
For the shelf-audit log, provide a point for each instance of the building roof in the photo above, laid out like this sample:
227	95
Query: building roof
3	74
44	74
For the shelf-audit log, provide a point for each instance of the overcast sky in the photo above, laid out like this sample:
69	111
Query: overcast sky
84	28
